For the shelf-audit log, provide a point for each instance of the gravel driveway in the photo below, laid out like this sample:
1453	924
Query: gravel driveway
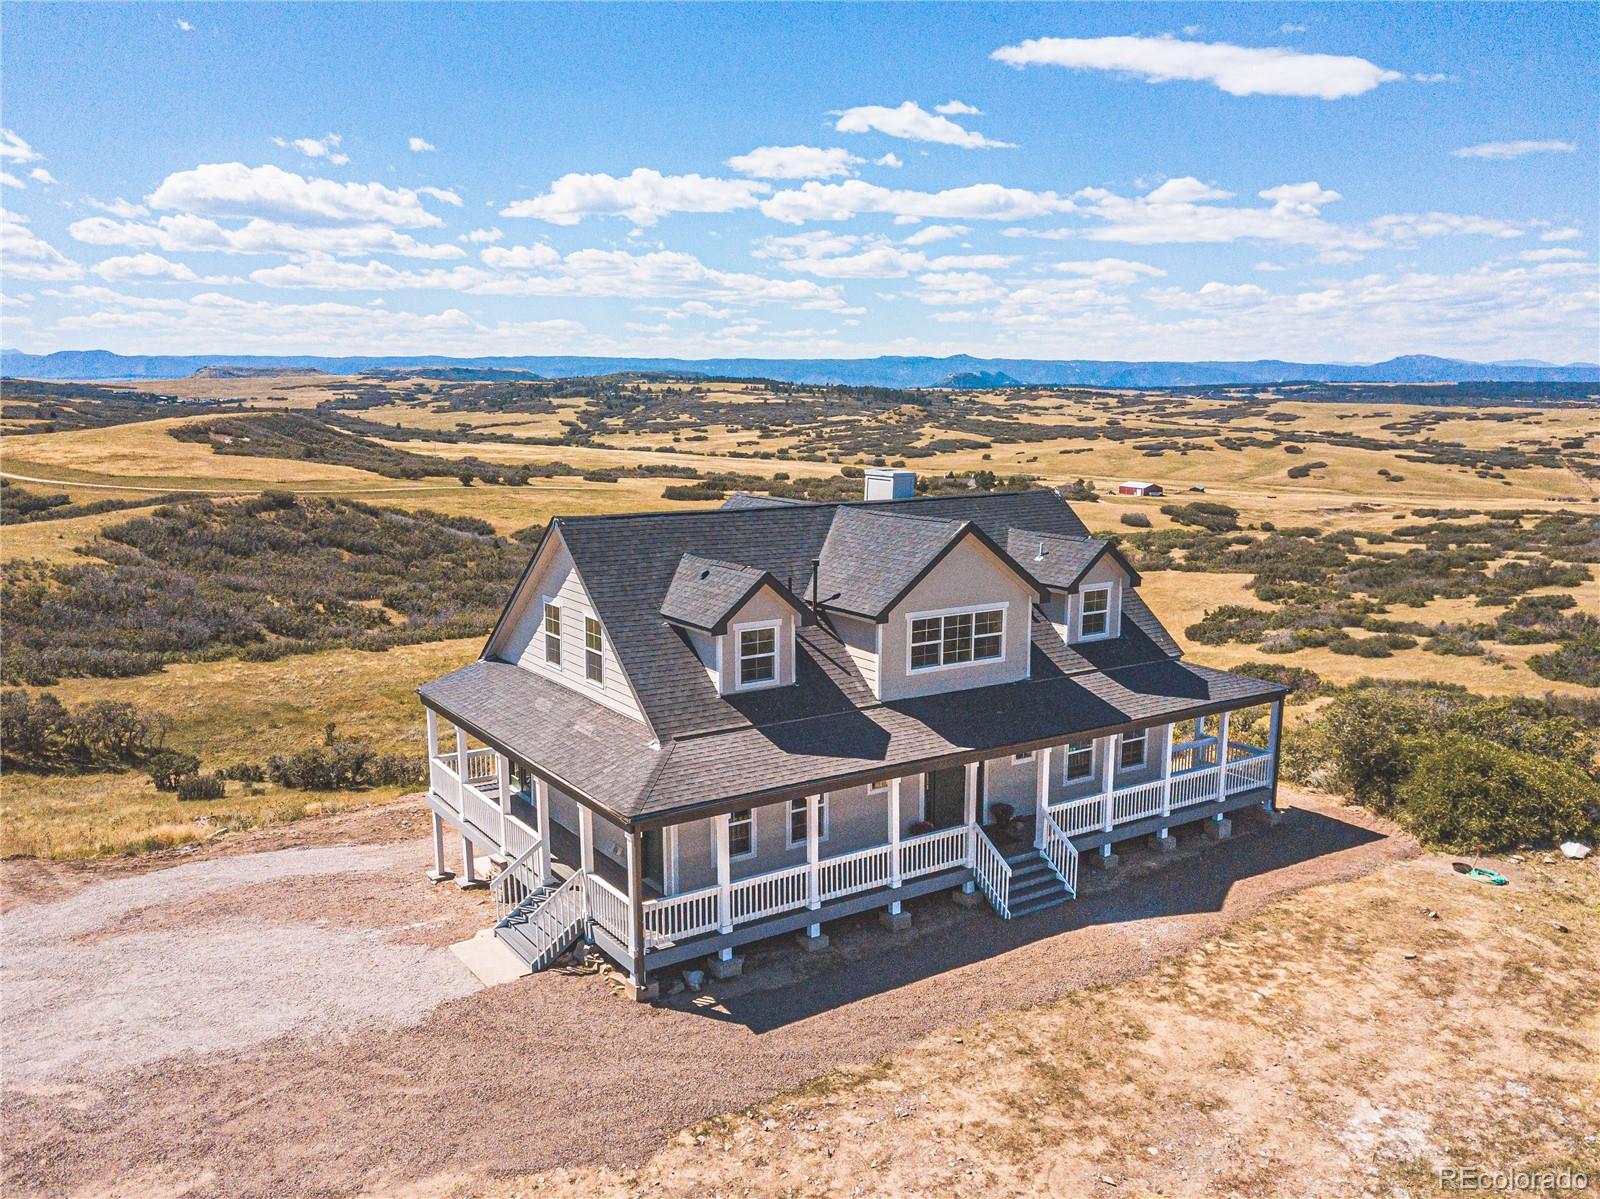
256	1026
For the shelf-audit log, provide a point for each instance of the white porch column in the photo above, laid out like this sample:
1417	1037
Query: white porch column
541	808
1166	775
438	874
969	814
1108	778
469	868
585	840
433	733
894	840
461	771
813	875
635	898
502	778
669	864
1222	760
1041	793
724	875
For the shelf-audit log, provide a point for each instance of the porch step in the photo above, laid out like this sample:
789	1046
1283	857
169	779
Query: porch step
1034	884
538	942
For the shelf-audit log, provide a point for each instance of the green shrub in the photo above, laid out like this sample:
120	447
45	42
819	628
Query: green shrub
244	772
200	786
1204	514
693	491
1466	793
1577	660
168	767
1135	520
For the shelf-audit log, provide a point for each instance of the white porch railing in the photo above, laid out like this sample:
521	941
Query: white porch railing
1079	816
482	811
679	916
993	872
480	766
514	884
608	907
1249	772
1136	802
444	782
942	849
1061	855
519	838
1197	786
851	872
770	894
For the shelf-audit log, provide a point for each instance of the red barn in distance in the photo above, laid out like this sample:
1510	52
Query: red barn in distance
1133	487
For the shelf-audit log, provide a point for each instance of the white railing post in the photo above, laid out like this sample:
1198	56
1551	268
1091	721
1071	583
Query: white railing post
541	807
813	879
1222	760
1041	793
894	838
433	734
1166	775
970	813
724	872
1107	780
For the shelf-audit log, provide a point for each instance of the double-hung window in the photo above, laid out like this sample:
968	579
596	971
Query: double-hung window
758	655
593	651
742	834
797	821
552	634
1094	612
956	638
1079	760
1132	750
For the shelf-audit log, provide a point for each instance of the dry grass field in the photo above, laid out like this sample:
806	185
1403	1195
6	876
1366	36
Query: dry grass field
233	710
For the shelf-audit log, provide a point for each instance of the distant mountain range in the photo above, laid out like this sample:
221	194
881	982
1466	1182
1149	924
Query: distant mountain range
960	370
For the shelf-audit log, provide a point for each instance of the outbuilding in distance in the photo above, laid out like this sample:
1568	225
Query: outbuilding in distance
1134	487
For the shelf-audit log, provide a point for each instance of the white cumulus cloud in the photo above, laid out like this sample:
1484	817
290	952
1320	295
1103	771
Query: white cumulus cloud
855	197
1237	70
955	108
326	146
891	159
233	189
147	268
643	197
794	162
914	123
28	256
420	146
14	148
186	233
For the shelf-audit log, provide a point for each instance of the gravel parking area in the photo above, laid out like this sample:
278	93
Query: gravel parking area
288	1022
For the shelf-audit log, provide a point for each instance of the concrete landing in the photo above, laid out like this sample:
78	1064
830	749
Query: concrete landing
490	959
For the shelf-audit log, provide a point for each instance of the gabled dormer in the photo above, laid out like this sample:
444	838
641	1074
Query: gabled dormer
925	605
1086	579
740	620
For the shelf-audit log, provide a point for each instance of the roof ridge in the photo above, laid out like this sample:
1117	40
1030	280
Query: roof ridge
592	517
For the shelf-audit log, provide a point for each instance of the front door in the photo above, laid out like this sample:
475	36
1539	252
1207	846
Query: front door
945	802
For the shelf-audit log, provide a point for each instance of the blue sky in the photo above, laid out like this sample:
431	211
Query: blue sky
1310	182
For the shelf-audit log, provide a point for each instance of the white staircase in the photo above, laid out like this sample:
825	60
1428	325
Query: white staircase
536	922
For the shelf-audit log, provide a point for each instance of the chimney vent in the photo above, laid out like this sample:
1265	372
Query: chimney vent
884	483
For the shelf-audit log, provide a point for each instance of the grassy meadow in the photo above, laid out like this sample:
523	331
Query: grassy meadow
1240	448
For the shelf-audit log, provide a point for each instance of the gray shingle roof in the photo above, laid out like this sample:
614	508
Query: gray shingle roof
871	558
633	567
704	592
1058	561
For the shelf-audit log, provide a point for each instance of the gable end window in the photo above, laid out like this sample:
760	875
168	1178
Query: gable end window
957	638
593	651
552	634
1079	760
1094	612
758	655
1132	751
741	834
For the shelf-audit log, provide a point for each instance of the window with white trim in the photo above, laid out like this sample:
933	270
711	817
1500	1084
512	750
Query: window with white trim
742	834
1094	612
1132	752
593	651
957	638
758	655
552	634
797	821
1079	760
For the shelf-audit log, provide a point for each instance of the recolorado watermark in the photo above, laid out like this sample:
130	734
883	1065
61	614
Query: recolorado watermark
1562	1181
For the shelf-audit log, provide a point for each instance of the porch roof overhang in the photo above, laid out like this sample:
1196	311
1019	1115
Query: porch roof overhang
606	761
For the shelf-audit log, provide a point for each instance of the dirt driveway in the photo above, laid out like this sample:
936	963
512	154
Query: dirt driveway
288	1022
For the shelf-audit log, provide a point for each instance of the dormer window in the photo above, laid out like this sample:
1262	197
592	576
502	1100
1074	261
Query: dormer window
1094	613
758	654
956	638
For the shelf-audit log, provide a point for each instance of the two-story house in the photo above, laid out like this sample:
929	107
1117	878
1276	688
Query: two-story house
693	730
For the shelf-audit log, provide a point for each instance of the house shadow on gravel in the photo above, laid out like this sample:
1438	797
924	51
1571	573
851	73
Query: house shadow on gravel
782	984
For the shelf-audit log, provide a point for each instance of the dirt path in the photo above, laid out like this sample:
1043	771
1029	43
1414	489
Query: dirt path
546	1073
